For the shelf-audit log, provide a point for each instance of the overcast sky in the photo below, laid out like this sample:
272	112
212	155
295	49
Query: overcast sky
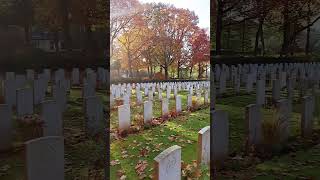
200	7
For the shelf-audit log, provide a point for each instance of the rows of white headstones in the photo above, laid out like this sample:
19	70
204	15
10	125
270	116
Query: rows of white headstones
24	92
196	90
303	77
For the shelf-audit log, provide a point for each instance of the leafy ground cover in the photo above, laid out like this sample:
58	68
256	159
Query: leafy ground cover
132	156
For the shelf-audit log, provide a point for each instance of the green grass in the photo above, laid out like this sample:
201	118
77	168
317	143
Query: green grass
182	131
304	163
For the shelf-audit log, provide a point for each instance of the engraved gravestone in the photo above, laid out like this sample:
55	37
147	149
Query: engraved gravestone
39	90
52	118
283	113
45	158
275	90
189	101
165	107
150	96
60	96
10	94
24	102
307	116
253	124
5	127
75	76
206	97
219	135
260	92
147	113
168	164
94	115
139	97
30	74
178	104
124	117
126	99
204	146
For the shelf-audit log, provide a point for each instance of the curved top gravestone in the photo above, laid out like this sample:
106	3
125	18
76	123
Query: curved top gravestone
168	164
45	158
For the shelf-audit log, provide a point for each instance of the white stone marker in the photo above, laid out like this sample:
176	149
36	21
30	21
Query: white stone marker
178	104
45	158
284	118
165	107
150	96
60	96
24	102
124	117
10	94
206	97
75	76
261	92
275	90
5	127
139	97
52	117
204	146
94	115
253	125
126	99
307	116
148	112
168	164
220	135
189	100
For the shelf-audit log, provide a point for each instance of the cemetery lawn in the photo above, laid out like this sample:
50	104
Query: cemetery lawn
147	144
83	155
302	161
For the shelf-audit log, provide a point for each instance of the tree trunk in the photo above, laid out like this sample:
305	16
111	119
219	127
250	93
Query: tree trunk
129	63
199	71
307	50
27	33
207	68
286	30
228	38
91	47
262	40
66	23
191	69
178	70
258	33
166	73
243	36
56	41
219	27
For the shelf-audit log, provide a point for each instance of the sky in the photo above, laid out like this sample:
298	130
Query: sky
200	7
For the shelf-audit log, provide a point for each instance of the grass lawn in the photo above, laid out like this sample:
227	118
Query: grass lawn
83	155
301	161
145	145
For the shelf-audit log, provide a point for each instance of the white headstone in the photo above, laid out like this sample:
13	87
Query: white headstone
168	164
124	117
52	118
45	158
148	112
204	146
6	131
